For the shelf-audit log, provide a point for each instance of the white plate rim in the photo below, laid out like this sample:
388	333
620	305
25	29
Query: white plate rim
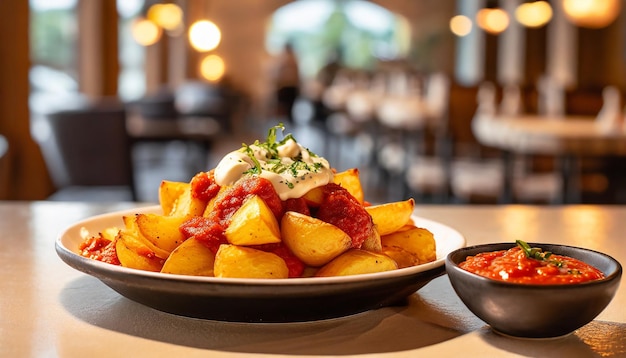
447	240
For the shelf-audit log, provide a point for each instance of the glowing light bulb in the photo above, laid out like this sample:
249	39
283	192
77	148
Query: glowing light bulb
204	35
212	68
145	32
534	14
460	25
593	14
168	16
494	21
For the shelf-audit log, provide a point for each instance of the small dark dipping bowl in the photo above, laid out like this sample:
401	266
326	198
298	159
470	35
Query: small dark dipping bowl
534	311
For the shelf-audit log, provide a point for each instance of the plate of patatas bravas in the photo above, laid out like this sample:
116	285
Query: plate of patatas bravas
273	233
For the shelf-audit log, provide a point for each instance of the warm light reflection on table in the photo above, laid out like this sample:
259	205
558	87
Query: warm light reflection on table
518	223
586	226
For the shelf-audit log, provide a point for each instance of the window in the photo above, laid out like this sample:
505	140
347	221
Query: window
53	42
132	78
362	33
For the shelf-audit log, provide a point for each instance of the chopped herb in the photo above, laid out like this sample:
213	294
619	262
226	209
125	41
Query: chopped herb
256	169
537	254
273	161
270	147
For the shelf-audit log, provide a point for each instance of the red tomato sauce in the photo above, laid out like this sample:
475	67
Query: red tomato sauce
514	266
341	209
100	249
207	231
203	186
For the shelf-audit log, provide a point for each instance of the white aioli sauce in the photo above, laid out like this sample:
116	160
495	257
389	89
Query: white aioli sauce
287	185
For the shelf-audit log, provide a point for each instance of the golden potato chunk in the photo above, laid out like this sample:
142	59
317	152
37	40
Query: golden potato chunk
373	243
313	241
410	247
357	262
245	262
169	192
187	205
163	231
314	197
190	258
132	229
253	223
135	254
110	233
390	217
350	180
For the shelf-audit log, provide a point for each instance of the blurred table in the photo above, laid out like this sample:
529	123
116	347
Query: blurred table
198	133
198	129
567	138
48	309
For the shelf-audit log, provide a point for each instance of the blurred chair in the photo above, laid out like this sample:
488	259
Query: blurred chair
205	100
511	103
477	178
159	105
87	152
429	167
609	119
551	97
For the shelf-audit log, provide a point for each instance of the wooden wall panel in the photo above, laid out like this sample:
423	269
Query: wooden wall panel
28	177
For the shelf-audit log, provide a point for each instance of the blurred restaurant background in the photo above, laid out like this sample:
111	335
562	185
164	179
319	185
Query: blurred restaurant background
450	102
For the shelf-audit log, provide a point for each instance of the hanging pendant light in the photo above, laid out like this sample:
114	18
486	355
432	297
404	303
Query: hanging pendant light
594	14
493	21
204	35
534	14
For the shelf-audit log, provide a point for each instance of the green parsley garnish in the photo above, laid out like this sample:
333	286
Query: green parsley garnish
537	254
270	146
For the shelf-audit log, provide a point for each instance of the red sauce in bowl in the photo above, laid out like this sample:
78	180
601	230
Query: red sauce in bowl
515	266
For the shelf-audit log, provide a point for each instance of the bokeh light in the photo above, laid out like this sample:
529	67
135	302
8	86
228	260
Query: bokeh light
212	68
145	32
168	16
534	14
204	35
593	14
461	25
493	21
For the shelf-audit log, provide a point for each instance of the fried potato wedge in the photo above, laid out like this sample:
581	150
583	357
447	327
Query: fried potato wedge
169	192
246	262
187	205
253	223
356	262
314	197
313	241
110	233
163	231
131	228
410	247
211	204
390	217
133	253
373	243
190	258
349	179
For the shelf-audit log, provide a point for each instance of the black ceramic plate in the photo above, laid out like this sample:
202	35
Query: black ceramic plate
255	300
